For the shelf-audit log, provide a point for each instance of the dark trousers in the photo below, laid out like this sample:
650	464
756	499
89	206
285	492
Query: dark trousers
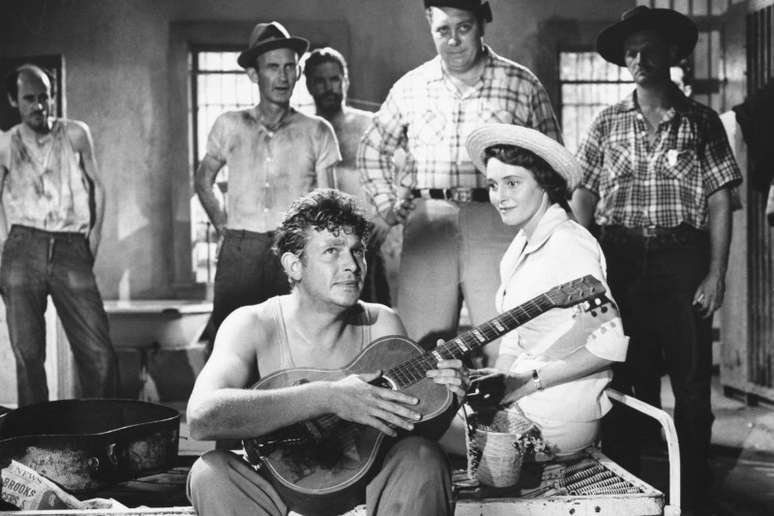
654	280
414	480
36	264
375	286
248	273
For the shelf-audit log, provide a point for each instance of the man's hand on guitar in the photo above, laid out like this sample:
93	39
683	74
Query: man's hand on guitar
454	375
356	400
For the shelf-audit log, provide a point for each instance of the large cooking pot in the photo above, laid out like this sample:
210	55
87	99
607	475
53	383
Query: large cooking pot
84	445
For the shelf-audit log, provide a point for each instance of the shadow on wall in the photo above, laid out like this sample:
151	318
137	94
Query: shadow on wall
128	268
160	374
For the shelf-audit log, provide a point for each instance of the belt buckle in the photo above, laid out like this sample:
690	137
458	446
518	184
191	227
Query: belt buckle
650	231
462	194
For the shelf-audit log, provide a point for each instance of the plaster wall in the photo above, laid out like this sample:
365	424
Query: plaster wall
126	76
117	61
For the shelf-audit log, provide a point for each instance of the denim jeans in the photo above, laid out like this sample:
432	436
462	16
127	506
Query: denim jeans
36	264
654	280
248	273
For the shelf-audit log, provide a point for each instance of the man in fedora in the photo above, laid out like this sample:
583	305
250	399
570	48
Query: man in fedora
453	238
274	154
657	172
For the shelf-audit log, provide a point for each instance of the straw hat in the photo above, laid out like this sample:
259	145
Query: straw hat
269	36
676	28
553	152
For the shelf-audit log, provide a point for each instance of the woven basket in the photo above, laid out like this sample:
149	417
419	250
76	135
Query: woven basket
493	458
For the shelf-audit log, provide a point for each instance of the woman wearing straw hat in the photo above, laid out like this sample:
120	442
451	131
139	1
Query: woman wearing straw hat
556	366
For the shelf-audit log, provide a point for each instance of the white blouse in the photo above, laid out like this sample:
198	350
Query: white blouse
559	250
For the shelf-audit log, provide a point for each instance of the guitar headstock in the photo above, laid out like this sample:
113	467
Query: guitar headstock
576	291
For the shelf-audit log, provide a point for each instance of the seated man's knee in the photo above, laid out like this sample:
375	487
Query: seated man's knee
209	470
419	452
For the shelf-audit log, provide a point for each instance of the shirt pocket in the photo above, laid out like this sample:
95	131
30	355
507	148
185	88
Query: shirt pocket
618	164
677	164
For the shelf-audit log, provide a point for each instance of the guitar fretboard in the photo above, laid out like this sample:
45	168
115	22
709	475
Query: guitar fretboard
414	370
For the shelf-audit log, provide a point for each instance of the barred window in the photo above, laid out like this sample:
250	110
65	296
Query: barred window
588	84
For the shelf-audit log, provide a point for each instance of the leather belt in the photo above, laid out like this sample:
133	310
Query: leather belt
650	231
453	194
654	237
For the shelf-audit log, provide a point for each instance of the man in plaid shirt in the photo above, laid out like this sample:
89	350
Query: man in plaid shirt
453	238
658	171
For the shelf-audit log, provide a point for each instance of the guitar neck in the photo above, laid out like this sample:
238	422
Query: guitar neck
414	370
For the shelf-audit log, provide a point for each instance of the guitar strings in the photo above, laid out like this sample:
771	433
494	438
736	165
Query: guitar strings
408	372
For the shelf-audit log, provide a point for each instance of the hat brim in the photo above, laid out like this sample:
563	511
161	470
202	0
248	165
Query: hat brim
553	152
246	59
676	27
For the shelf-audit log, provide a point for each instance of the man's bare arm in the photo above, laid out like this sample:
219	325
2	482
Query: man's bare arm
583	204
4	149
223	406
204	179
327	178
80	136
709	294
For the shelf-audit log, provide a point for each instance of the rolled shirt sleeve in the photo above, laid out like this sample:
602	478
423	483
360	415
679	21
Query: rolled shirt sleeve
385	134
718	164
216	140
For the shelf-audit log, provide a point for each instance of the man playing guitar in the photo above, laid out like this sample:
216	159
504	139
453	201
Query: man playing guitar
322	324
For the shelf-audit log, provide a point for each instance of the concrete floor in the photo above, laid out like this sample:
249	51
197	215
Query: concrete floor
742	455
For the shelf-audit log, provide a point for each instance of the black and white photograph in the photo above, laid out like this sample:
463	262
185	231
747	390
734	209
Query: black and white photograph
387	257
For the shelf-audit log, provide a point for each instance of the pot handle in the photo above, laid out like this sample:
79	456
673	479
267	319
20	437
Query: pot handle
107	463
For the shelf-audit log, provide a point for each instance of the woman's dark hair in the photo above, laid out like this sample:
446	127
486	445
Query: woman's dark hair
554	184
320	209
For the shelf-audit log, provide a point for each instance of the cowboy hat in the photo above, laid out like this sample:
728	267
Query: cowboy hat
545	147
477	7
268	36
676	28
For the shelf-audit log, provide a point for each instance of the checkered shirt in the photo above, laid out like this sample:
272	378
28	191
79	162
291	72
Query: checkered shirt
426	116
663	181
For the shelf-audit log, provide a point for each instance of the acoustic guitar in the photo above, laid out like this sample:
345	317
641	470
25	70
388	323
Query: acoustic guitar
321	465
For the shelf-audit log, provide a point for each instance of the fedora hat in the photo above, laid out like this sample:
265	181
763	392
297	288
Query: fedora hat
268	36
677	28
477	7
545	147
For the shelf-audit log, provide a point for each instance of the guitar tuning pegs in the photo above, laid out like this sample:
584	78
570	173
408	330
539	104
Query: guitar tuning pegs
593	313
604	309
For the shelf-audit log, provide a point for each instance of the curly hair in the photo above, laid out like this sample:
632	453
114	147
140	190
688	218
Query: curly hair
321	209
546	177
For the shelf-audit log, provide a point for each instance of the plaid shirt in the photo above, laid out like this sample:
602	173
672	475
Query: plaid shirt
427	117
663	181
